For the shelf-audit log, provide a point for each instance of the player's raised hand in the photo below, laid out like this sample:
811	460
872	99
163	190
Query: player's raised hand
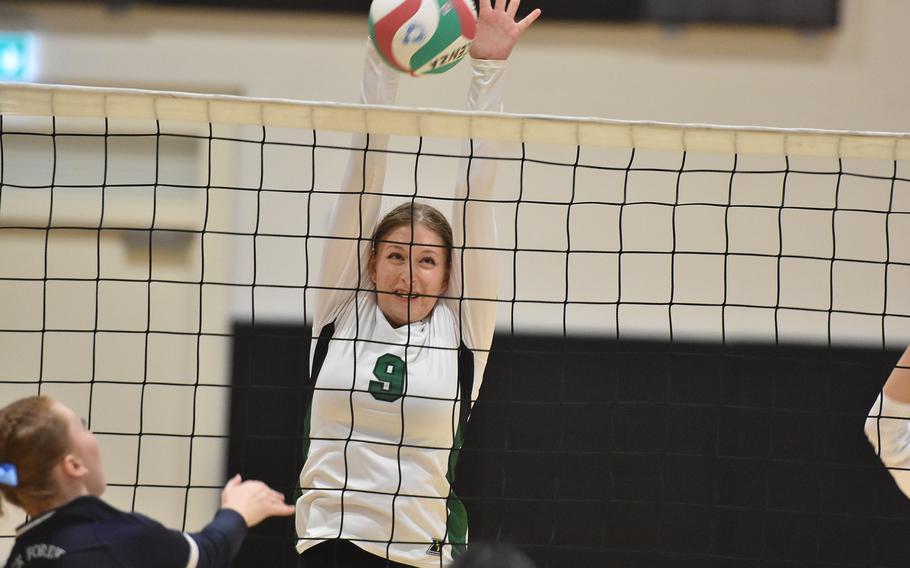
497	30
254	500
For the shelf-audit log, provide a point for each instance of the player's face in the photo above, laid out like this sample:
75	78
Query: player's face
409	273
85	449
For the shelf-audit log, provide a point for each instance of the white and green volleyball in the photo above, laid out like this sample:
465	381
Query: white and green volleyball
422	37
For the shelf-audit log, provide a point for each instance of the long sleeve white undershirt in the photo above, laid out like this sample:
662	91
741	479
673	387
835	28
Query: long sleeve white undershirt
356	212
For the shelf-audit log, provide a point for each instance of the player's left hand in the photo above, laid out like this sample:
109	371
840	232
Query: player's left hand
497	30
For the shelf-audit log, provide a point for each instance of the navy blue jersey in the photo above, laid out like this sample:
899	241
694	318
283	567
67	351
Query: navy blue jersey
89	532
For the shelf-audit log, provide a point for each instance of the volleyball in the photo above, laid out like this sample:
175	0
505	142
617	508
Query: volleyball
422	37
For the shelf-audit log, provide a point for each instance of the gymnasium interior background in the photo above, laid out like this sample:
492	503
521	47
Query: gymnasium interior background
583	451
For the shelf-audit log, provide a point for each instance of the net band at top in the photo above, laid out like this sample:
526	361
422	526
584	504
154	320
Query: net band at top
67	101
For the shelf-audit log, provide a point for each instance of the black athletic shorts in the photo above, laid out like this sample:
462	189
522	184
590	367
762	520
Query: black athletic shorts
343	554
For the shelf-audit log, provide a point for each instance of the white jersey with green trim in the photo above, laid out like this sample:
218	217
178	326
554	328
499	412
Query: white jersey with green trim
384	425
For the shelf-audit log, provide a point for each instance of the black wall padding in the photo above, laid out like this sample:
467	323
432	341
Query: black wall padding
588	452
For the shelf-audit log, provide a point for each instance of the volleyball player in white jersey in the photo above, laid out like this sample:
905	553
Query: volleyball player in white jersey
400	356
888	424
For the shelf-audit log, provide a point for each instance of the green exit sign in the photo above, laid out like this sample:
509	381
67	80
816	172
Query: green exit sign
17	56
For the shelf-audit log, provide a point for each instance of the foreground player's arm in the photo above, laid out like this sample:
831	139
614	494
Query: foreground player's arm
146	542
355	213
218	543
474	271
888	423
140	541
244	504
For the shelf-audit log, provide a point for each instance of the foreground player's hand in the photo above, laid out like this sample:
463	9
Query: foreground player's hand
253	500
497	30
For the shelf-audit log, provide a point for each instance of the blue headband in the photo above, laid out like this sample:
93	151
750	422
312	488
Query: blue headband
8	475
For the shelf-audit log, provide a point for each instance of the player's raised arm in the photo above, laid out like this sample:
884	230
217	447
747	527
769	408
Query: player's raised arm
888	423
474	272
356	210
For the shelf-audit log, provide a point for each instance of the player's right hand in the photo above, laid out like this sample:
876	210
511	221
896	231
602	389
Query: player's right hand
253	500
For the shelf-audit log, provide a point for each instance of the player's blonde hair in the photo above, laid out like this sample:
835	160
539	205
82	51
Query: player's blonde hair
33	438
416	213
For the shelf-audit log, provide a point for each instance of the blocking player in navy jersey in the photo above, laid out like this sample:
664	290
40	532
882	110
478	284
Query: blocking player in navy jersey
50	466
888	424
404	322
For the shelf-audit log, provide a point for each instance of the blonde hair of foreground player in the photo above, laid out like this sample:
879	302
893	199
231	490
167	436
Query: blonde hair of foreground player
50	466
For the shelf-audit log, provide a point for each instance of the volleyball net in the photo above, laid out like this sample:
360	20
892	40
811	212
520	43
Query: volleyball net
157	261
